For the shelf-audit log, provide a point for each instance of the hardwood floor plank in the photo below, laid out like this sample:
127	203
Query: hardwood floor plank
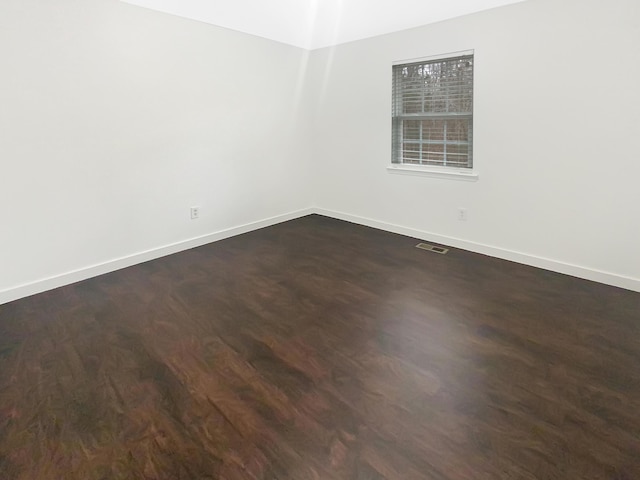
319	349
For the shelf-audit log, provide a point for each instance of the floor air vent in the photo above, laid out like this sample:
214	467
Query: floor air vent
432	248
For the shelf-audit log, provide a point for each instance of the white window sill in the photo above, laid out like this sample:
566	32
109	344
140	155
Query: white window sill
435	172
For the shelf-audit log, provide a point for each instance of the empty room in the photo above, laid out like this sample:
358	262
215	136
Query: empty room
319	239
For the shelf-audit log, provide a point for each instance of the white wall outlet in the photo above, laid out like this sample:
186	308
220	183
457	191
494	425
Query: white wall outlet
195	213
462	214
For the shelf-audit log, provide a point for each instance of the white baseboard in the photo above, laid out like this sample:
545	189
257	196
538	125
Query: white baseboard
615	280
67	278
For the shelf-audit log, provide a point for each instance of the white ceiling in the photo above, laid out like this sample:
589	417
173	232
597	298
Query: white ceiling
315	24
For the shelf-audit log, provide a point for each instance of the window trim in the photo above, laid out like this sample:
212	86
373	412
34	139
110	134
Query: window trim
453	173
430	58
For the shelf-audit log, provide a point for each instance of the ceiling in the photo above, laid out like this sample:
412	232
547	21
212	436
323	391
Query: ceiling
315	24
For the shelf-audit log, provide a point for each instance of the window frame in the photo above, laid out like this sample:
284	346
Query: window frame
439	171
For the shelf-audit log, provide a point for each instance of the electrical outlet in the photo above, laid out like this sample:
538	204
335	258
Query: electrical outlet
462	214
195	213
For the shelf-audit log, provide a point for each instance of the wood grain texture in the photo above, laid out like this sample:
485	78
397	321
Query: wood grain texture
318	349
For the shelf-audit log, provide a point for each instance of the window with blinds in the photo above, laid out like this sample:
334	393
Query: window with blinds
433	113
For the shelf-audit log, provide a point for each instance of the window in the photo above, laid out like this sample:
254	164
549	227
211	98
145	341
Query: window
433	114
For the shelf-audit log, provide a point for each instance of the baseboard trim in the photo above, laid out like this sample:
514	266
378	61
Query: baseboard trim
607	278
74	276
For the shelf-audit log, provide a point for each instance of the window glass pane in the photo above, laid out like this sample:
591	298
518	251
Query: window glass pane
457	155
433	130
411	129
458	130
433	154
411	153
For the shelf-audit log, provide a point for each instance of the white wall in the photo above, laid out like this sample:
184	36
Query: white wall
556	137
114	120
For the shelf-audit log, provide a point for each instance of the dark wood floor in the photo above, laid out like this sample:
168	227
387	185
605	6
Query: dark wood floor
318	349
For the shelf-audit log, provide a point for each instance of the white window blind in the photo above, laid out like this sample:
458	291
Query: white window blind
433	112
